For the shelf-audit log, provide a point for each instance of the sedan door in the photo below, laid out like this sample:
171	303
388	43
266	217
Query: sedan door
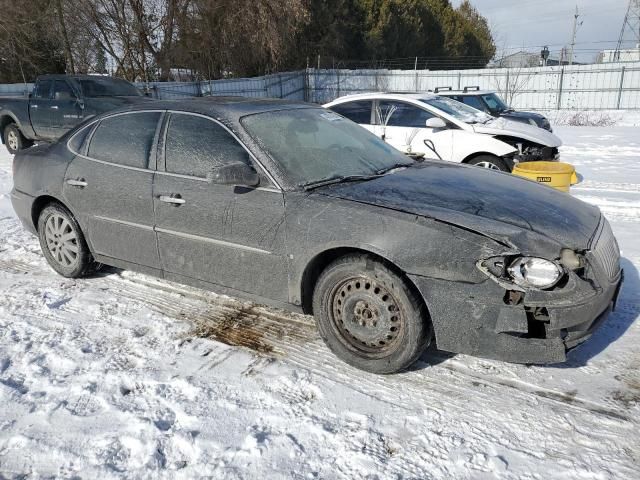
219	234
403	125
108	186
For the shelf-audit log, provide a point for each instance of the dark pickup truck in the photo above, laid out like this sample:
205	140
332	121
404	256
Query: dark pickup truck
58	103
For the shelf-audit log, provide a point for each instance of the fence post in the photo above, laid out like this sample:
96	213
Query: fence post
507	89
280	81
620	89
338	78
559	104
459	79
415	69
306	82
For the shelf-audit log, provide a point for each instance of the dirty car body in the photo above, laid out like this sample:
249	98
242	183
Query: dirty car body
443	229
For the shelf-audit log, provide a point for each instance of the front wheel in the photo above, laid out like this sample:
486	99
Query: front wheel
491	162
369	317
14	140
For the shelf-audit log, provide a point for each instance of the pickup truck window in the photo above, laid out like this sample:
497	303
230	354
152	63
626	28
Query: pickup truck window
110	87
62	91
125	139
43	89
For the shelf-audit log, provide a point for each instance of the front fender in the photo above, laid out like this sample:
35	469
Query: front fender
414	244
467	144
22	122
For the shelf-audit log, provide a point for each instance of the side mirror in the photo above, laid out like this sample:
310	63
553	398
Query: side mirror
436	122
236	173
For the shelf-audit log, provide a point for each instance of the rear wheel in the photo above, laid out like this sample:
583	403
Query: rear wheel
491	162
368	316
63	243
14	140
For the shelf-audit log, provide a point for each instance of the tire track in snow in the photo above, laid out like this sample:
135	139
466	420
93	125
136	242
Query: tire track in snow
450	396
288	336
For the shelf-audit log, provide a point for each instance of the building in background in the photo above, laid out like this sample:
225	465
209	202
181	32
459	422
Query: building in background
626	55
524	59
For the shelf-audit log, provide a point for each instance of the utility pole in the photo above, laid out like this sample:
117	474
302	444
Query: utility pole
573	35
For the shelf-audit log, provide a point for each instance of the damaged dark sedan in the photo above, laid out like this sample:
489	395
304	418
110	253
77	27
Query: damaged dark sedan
293	205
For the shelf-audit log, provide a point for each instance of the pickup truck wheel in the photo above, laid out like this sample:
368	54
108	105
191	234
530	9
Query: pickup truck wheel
63	243
14	140
369	317
489	161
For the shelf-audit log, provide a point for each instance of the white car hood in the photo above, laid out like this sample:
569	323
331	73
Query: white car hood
502	126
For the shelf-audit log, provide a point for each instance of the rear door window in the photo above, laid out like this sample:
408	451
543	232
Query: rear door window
195	145
43	89
359	111
400	114
63	91
125	139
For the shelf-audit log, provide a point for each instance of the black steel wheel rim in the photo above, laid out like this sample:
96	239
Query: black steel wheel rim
367	315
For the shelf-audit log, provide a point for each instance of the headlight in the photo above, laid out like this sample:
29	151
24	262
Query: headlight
533	272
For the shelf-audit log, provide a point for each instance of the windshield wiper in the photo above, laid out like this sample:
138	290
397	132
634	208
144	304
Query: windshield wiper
339	179
385	170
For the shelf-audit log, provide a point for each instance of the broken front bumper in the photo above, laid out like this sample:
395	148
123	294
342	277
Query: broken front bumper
475	318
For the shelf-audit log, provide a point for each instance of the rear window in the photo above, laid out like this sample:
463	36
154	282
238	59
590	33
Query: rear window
125	139
43	89
108	87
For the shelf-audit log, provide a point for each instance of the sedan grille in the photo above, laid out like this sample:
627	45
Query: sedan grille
605	250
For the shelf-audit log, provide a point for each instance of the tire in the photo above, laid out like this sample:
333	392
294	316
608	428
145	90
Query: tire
63	243
368	316
491	162
14	140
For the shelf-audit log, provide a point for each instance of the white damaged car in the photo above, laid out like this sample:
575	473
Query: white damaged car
441	128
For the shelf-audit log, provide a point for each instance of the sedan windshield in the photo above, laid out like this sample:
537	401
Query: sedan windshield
458	110
313	145
108	87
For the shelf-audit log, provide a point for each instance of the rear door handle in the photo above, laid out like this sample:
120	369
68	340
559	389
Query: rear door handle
174	199
34	106
54	107
77	183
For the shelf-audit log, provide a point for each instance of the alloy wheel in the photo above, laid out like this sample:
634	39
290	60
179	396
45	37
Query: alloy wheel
12	140
489	165
62	240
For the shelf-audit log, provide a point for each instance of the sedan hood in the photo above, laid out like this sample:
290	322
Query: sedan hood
475	198
505	127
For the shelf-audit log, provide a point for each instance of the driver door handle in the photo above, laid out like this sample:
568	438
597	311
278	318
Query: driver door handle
174	199
77	183
54	107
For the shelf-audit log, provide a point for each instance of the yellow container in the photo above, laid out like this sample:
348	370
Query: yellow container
553	174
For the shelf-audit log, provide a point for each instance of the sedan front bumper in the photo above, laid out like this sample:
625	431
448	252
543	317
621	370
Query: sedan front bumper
475	319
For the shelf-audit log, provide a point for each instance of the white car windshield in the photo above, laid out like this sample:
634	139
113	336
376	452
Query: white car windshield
458	110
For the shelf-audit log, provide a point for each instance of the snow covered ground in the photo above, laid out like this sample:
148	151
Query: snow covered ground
125	376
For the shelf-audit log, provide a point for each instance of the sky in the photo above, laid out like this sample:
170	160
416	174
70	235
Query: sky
535	23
